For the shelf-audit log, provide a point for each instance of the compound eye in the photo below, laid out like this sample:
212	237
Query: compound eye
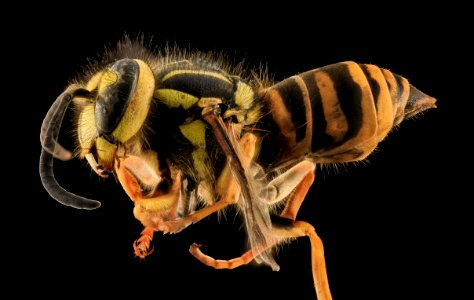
116	90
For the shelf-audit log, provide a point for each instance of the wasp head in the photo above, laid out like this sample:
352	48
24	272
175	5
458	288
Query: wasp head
118	112
112	107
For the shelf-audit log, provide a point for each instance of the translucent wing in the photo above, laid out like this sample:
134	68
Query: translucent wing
257	216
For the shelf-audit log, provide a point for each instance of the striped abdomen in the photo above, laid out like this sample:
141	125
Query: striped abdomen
339	113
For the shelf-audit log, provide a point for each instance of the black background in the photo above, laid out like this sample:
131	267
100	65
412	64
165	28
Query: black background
392	227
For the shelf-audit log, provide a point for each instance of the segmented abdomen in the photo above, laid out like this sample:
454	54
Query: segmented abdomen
340	112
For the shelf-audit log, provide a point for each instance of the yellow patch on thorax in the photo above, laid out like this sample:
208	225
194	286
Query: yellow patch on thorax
174	98
195	132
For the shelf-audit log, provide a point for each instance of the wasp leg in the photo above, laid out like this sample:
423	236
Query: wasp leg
162	202
283	229
141	246
295	181
233	263
135	173
318	263
302	176
228	188
297	196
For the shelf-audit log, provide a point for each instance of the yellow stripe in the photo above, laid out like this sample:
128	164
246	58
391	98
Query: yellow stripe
281	116
392	85
306	142
198	72
337	125
174	98
369	115
335	119
384	102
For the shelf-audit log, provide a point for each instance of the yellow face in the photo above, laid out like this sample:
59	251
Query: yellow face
118	112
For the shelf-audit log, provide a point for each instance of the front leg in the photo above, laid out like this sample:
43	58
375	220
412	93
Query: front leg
140	180
141	246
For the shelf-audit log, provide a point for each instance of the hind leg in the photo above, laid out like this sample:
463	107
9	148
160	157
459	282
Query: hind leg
300	175
297	197
283	229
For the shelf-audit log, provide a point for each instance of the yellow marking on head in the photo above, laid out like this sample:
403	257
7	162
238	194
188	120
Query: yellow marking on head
198	72
86	129
108	78
173	98
137	111
93	83
105	153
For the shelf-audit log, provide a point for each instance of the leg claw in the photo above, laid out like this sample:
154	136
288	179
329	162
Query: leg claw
141	246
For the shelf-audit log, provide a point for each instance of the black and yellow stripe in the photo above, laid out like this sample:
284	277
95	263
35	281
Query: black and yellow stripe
181	92
340	112
185	87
